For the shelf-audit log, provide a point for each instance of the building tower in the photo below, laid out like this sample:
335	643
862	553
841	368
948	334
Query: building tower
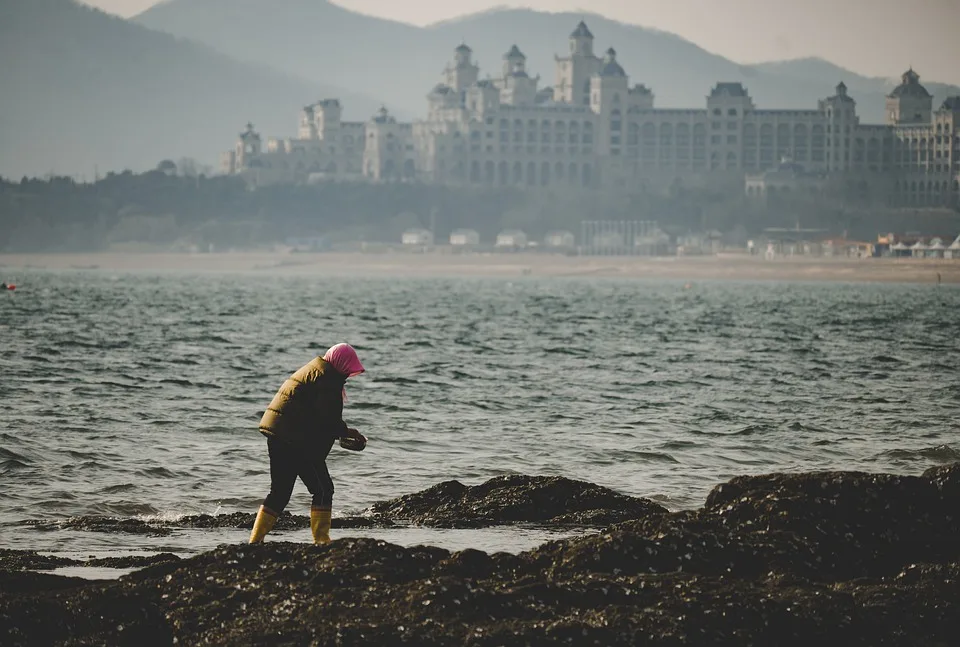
609	92
581	41
842	122
946	126
308	124
517	87
575	71
463	72
248	147
909	103
327	115
514	60
388	154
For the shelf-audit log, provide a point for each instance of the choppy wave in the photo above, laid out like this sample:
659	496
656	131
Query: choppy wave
940	453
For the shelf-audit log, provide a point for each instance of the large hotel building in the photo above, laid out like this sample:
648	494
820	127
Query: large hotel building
593	129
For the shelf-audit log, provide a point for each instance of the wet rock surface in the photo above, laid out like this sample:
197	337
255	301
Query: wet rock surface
24	560
165	527
829	558
18	560
31	582
104	524
511	499
286	521
132	561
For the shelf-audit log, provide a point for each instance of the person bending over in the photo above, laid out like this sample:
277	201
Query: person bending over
301	424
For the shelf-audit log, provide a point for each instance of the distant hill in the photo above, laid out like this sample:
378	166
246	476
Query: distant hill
82	89
318	40
865	89
314	39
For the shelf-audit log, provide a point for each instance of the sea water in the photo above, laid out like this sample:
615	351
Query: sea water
137	394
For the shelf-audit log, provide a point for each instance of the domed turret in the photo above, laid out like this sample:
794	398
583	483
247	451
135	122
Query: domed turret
582	31
463	72
514	54
909	86
383	116
248	146
610	65
462	55
514	63
581	41
841	94
909	102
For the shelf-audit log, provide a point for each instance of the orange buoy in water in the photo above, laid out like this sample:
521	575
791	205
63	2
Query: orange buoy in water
11	286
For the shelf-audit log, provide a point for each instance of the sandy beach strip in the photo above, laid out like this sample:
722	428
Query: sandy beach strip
734	267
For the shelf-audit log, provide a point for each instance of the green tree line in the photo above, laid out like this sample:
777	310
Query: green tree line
165	210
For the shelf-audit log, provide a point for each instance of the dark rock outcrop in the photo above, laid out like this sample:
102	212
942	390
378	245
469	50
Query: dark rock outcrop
826	558
502	500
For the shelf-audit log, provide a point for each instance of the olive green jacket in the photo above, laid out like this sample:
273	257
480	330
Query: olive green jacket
308	408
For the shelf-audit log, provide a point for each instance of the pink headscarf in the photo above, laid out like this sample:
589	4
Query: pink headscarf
344	358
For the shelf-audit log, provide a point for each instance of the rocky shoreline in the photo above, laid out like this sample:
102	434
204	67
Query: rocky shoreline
838	557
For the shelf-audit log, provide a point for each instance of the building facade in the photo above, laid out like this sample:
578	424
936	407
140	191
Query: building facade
593	129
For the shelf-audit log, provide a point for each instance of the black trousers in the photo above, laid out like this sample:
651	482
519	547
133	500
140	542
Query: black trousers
287	462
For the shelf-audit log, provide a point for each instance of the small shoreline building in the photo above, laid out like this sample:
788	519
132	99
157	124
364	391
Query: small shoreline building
417	237
511	239
559	240
464	238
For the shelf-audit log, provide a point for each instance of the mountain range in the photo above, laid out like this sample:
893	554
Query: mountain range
85	91
183	77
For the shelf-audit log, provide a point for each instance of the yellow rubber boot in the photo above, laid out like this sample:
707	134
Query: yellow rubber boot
264	524
320	525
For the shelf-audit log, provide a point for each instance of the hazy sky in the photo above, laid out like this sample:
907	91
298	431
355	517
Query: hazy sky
873	37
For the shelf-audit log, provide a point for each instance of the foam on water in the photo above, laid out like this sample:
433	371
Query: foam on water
138	395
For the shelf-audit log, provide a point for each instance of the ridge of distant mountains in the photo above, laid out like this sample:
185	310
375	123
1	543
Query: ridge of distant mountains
318	40
82	89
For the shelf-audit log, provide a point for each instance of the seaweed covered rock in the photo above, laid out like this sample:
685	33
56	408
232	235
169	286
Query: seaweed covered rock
110	524
132	561
86	615
286	521
31	582
18	560
946	478
516	498
367	592
688	541
853	522
751	568
164	527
